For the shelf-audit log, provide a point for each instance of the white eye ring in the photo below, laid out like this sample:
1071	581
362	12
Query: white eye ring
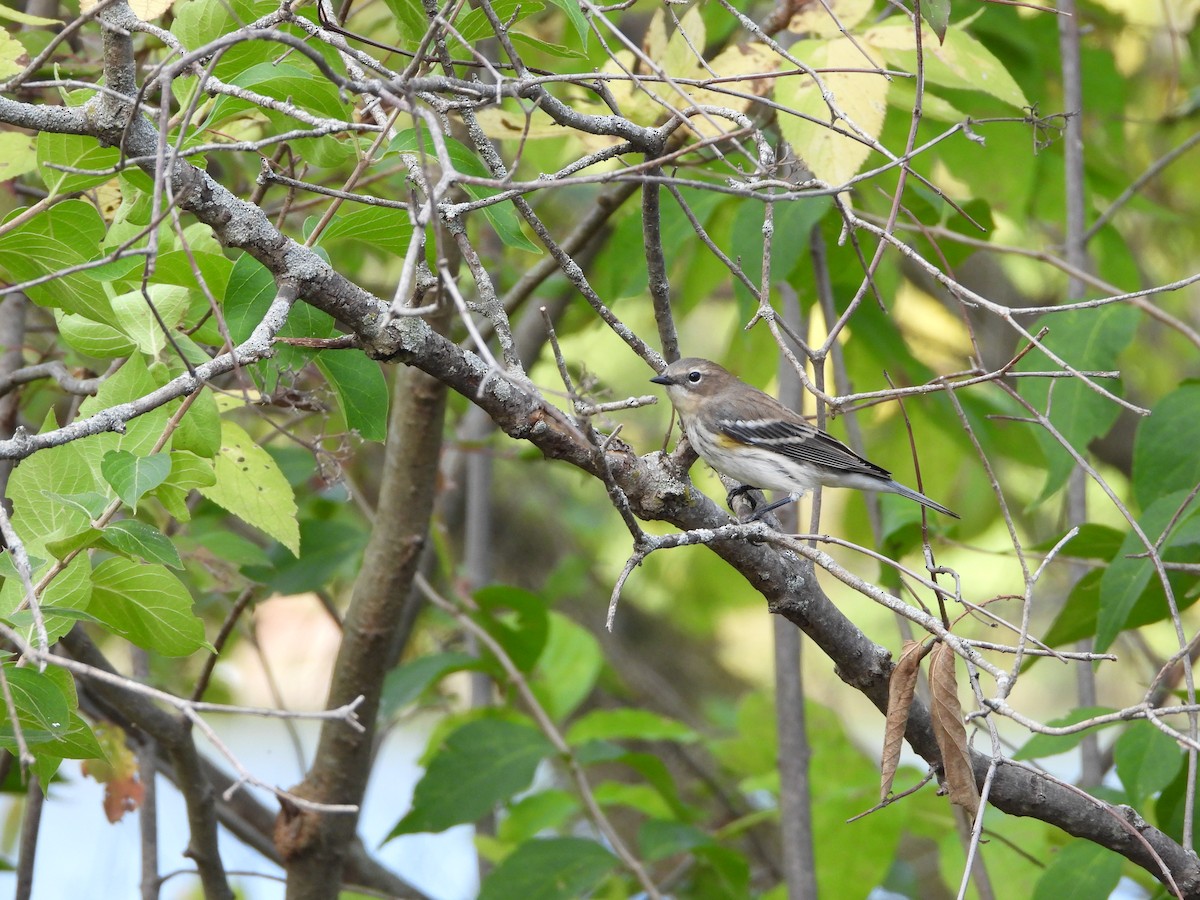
694	377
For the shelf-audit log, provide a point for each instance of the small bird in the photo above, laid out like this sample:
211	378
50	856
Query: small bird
756	440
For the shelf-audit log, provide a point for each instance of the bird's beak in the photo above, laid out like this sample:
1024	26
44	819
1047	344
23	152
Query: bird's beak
663	379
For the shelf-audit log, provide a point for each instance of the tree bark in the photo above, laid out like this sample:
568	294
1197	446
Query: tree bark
314	846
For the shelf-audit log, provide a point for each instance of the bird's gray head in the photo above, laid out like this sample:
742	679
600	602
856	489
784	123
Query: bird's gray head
690	380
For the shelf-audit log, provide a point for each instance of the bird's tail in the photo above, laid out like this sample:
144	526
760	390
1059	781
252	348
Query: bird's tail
896	487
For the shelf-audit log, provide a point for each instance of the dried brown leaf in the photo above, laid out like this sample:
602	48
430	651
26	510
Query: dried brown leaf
901	687
122	795
948	729
118	772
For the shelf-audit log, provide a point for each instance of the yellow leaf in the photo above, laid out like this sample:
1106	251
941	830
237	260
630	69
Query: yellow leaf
18	154
251	485
146	10
834	153
655	40
508	124
734	62
24	18
12	55
1178	14
667	58
814	19
682	58
959	62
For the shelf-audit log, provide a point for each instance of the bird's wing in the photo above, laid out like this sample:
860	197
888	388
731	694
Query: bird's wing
802	442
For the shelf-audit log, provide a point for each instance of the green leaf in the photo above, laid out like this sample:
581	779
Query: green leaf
652	768
522	636
61	602
213	534
77	151
90	503
282	81
360	388
199	431
388	229
796	218
410	19
247	296
130	382
133	476
67	234
188	471
199	21
937	14
1128	575
41	707
575	15
33	486
549	869
44	704
331	549
660	838
559	51
1164	453
135	538
641	797
1077	619
1170	807
73	543
567	668
147	605
77	742
722	872
628	724
1088	339
473	25
27	19
1042	745
250	485
137	321
502	216
1147	761
1091	542
476	767
1082	871
178	267
832	156
405	684
536	813
92	338
958	61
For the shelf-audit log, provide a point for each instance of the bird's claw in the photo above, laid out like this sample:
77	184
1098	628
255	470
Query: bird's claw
742	490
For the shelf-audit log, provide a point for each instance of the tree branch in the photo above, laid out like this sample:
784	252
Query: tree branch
314	846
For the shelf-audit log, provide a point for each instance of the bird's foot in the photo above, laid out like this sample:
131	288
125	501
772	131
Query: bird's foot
771	507
742	490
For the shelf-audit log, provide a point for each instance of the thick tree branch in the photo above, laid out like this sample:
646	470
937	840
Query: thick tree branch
314	846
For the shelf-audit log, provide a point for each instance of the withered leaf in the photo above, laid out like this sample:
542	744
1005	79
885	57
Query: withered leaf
122	795
949	731
117	771
901	687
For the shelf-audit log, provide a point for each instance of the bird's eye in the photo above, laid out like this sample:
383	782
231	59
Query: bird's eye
694	377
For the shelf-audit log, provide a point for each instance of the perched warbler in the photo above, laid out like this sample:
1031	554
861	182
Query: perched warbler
756	440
